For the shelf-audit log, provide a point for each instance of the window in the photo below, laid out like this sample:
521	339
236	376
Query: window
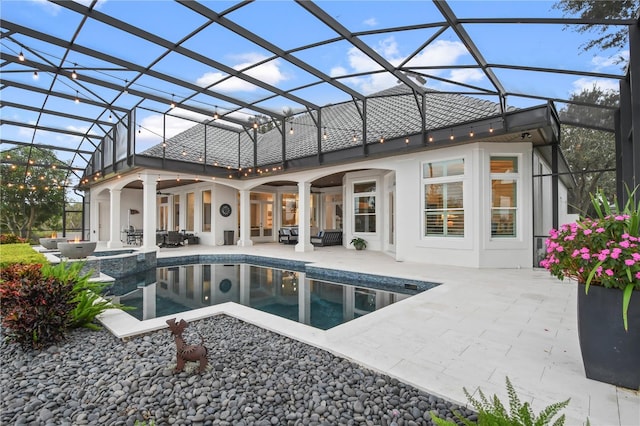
206	211
289	209
191	201
443	198
176	212
364	206
504	196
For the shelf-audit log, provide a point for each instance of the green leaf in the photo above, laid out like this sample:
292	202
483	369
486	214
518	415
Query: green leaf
626	299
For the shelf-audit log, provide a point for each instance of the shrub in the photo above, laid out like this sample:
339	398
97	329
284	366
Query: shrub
11	239
39	303
492	412
19	253
35	308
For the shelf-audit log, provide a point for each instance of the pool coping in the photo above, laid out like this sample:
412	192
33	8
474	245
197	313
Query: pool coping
125	326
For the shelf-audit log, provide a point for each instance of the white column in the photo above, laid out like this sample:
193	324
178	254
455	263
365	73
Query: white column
245	219
348	302
149	301
116	231
304	217
149	214
304	299
94	216
245	284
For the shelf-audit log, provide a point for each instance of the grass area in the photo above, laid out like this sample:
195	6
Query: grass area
20	253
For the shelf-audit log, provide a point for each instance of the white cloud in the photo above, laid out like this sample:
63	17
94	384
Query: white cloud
466	75
371	22
269	73
587	83
338	71
51	8
602	62
441	52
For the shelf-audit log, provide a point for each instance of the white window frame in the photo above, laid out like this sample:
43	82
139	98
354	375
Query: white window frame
461	178
373	194
516	177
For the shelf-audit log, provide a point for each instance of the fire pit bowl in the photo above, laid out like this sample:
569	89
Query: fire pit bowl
51	243
76	249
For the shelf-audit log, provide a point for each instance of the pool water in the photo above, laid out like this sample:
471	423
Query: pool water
288	294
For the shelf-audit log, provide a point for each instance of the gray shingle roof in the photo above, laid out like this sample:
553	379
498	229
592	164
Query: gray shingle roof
391	113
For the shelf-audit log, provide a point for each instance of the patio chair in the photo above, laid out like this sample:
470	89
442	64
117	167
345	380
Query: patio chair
174	238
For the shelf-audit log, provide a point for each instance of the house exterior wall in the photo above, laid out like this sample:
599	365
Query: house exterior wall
399	205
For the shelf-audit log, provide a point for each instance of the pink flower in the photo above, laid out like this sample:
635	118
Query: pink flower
625	244
636	256
587	231
615	253
600	230
585	256
629	262
608	272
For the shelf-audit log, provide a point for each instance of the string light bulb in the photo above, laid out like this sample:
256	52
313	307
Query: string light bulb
74	74
355	138
324	136
77	98
291	130
173	104
21	56
451	137
184	152
215	114
490	127
471	132
35	75
255	124
381	139
406	141
430	139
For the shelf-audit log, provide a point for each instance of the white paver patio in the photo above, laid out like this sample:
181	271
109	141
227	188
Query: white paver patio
479	326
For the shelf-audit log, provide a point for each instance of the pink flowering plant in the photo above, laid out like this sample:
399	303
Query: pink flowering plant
602	251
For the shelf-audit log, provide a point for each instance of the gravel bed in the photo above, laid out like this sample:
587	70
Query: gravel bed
255	377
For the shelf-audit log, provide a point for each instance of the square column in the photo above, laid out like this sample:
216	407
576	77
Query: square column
245	219
115	238
149	214
304	217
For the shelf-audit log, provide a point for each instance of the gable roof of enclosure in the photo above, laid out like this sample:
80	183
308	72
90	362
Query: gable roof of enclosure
113	59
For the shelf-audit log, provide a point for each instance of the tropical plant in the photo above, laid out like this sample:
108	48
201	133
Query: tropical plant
39	303
492	412
359	243
600	251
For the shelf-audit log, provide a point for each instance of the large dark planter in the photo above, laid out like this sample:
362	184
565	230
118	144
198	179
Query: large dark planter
609	353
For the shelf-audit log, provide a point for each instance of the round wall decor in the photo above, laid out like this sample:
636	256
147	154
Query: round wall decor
225	210
225	285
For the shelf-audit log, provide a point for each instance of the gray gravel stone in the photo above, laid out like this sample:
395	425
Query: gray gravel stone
255	377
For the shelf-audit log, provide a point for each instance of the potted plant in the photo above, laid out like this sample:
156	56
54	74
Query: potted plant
602	255
359	243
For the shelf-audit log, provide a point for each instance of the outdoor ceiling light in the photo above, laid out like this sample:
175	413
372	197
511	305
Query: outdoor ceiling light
451	135
74	74
325	134
35	75
381	139
77	98
173	104
430	139
355	138
21	56
471	132
490	128
406	140
215	114
291	130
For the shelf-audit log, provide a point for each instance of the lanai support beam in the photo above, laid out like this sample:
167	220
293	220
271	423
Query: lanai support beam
628	123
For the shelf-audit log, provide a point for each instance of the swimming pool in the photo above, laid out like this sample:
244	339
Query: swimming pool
295	293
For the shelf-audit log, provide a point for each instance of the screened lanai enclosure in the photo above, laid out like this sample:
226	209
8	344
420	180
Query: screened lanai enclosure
246	90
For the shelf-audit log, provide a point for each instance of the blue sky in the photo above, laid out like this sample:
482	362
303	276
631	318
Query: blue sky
288	26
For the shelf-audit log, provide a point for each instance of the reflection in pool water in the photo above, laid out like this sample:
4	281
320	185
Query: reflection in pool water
289	294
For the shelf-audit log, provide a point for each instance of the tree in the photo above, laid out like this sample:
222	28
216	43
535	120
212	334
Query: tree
589	152
32	190
598	9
